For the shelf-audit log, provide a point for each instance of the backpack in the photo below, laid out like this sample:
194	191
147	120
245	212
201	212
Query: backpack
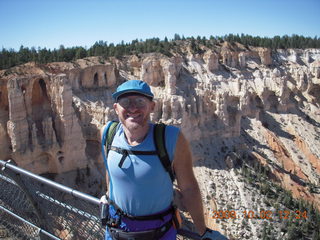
159	140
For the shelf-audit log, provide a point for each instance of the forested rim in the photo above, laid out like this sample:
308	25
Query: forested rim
10	57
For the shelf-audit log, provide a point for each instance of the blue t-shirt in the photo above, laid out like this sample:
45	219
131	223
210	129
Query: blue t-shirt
141	186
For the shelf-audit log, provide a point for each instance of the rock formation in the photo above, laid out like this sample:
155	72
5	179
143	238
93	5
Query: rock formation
233	103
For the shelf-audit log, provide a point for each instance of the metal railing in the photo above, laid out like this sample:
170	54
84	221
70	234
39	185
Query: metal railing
34	207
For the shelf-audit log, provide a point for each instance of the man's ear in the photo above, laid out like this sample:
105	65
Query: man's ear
153	104
115	107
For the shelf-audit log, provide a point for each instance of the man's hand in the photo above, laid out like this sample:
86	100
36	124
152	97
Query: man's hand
104	210
104	200
212	235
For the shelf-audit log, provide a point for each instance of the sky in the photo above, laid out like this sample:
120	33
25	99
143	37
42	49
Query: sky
51	23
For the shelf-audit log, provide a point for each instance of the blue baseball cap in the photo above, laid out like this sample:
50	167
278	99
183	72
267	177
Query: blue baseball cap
133	86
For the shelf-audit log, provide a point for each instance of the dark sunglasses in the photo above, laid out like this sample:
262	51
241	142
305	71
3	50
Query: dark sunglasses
138	102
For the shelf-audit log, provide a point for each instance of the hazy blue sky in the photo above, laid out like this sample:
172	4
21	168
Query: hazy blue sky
50	23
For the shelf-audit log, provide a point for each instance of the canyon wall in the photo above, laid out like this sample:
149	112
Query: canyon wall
230	102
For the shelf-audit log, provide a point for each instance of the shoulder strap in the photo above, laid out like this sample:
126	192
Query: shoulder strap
107	138
110	134
159	140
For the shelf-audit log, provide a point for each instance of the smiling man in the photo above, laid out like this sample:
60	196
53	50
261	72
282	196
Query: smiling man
140	183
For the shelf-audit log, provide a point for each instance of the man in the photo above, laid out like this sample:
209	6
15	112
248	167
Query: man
140	190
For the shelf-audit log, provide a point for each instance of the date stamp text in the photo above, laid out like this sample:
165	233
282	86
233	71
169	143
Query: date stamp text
262	214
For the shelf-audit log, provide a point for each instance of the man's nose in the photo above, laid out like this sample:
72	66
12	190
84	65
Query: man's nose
132	106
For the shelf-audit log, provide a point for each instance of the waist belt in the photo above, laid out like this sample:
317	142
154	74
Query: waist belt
118	234
141	218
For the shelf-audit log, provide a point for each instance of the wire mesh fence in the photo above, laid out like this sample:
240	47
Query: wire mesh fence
15	227
45	211
33	207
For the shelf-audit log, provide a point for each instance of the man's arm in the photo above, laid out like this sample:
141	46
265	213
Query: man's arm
187	183
107	182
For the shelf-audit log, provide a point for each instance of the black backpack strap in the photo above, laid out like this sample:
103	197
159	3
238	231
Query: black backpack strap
104	141
160	144
107	138
159	141
125	153
110	135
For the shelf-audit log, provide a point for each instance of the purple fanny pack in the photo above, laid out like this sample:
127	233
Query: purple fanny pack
132	225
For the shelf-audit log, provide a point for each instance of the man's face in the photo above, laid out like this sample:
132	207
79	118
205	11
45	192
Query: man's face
134	110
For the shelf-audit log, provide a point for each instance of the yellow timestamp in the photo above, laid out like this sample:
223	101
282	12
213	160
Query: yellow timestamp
262	214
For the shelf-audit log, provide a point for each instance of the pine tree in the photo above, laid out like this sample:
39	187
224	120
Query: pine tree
10	58
80	53
176	37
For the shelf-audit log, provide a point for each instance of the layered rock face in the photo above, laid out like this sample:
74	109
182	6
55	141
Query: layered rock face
229	101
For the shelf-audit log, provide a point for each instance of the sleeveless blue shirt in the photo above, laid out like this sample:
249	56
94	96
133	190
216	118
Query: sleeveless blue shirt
141	186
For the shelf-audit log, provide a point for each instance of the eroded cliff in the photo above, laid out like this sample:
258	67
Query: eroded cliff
238	107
